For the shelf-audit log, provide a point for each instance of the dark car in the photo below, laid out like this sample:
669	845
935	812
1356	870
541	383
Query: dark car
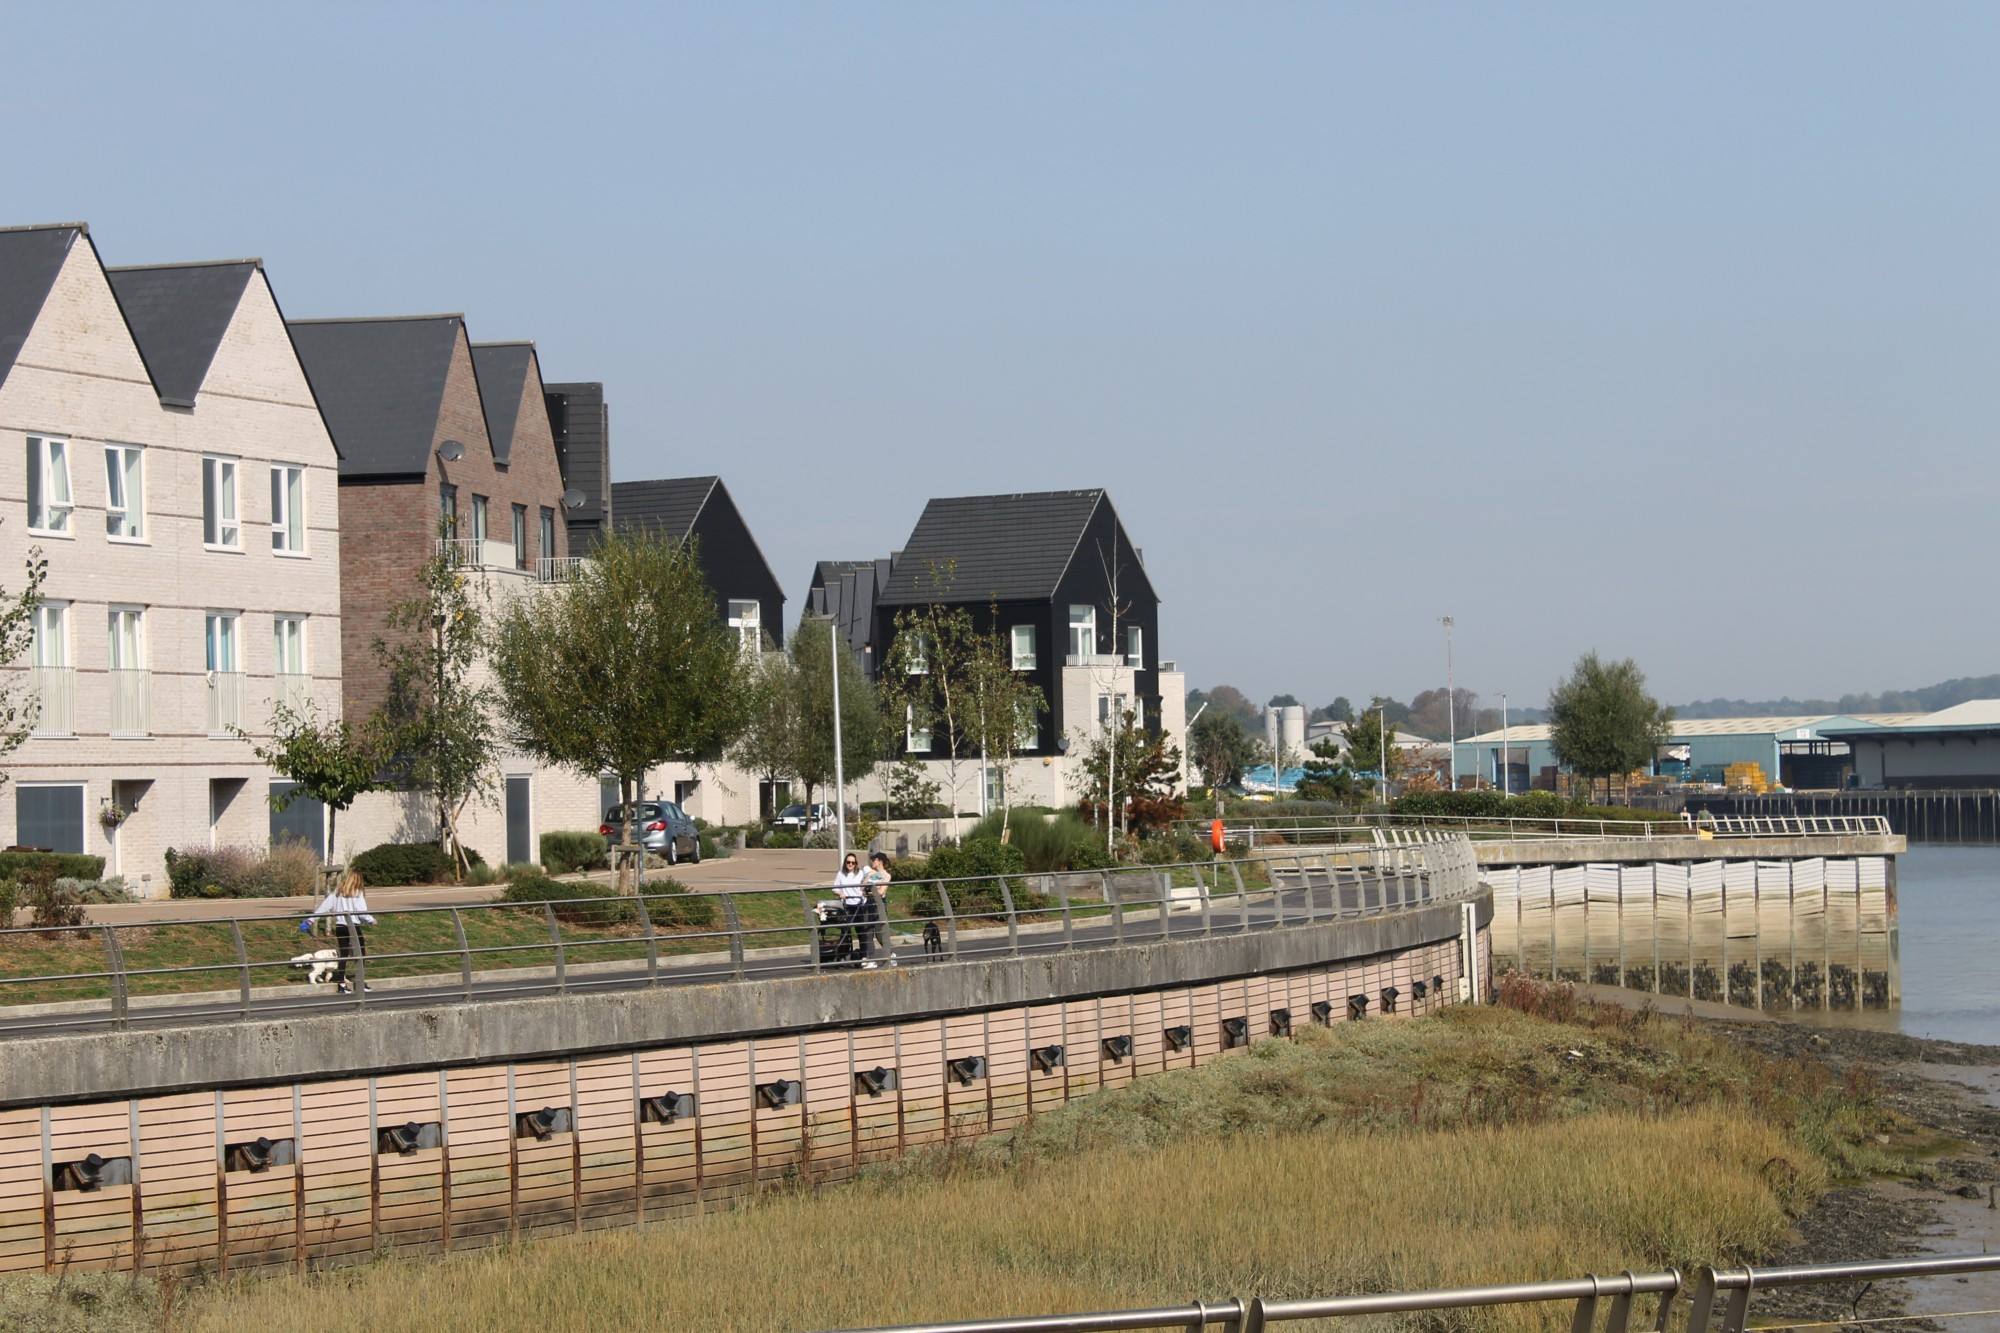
661	827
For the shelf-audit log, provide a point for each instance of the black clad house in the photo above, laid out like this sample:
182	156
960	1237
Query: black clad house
746	592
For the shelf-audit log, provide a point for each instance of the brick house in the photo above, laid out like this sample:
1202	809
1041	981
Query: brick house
160	444
432	426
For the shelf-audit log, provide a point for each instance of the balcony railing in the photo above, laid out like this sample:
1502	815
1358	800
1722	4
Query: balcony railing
131	702
292	691
55	693
459	552
225	701
558	568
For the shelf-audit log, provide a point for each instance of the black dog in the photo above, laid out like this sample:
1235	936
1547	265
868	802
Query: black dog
933	942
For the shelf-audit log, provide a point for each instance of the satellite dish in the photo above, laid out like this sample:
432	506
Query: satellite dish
573	498
451	451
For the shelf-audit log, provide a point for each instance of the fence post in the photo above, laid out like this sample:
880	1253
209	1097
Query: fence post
652	944
1117	907
736	936
243	968
1207	922
555	938
1062	897
1013	923
813	927
1166	904
950	918
464	953
121	990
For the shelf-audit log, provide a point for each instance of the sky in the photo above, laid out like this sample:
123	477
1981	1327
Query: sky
1663	330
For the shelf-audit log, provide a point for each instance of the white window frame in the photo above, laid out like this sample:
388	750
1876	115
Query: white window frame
520	536
212	621
1024	647
226	524
47	649
278	663
1135	647
125	471
113	614
914	740
1027	727
479	525
1083	632
746	621
48	460
288	515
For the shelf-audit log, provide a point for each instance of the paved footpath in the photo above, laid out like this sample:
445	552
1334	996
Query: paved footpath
740	870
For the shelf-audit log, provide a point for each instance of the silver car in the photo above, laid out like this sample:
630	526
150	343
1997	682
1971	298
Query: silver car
661	827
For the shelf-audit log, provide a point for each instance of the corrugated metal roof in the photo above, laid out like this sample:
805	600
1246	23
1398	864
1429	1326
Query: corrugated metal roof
380	385
1687	728
178	314
30	259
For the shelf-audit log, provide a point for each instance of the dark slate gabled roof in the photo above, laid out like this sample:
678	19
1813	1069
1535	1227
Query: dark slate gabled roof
178	314
380	385
502	370
669	507
1006	548
30	259
846	590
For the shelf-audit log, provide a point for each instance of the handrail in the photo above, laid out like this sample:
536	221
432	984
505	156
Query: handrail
463	952
1616	1295
1334	829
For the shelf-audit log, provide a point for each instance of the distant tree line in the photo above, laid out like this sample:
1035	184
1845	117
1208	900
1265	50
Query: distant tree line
1929	699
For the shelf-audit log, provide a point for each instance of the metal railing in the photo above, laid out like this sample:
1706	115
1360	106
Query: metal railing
558	568
245	966
292	689
1254	832
461	552
225	702
131	702
1611	1300
55	697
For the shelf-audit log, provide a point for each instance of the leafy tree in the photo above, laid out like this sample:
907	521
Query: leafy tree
1434	713
1602	721
1229	699
1221	748
811	758
1329	776
909	789
624	668
1006	710
1283	701
437	718
18	704
770	718
1371	744
927	683
1142	772
330	761
1340	710
1393	712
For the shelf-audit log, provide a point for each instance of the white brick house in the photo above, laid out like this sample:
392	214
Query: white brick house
160	444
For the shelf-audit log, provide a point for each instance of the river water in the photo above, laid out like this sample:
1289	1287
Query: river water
1948	904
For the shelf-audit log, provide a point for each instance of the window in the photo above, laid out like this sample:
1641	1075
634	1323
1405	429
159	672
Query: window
130	697
48	485
288	655
1135	647
288	510
520	536
1024	647
225	681
746	619
920	657
448	507
1111	710
1027	727
127	625
51	648
221	642
55	702
1082	634
917	740
479	523
49	817
548	549
124	492
996	788
219	527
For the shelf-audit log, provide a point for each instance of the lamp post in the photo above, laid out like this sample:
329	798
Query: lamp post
1506	770
1450	701
839	767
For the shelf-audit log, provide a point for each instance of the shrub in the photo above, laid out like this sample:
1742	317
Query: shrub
1175	849
53	905
10	901
226	872
1048	846
576	902
669	907
292	869
1528	805
977	856
392	863
826	840
991	861
68	865
113	890
565	851
783	840
717	843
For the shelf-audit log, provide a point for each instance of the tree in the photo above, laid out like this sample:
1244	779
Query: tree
1329	776
1283	701
1436	713
811	679
624	668
1340	710
437	718
927	675
328	760
1220	748
766	743
18	703
1371	744
1602	721
1006	710
1141	772
1229	699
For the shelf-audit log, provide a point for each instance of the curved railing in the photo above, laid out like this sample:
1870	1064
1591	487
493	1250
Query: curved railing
1254	831
176	972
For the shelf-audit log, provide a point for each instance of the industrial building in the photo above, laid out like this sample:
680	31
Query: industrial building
1957	748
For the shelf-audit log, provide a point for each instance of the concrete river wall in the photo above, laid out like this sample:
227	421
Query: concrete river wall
1770	923
299	1141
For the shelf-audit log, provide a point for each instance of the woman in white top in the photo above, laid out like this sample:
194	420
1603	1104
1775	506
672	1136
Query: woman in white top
853	890
346	905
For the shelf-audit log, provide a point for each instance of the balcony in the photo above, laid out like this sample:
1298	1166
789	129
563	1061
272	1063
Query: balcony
55	695
225	702
291	691
131	703
472	553
558	568
459	552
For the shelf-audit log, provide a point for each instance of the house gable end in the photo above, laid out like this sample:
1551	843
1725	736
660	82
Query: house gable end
31	259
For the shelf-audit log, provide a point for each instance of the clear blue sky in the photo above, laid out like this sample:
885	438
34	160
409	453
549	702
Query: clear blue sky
1665	330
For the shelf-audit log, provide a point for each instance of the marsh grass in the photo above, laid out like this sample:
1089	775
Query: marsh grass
1479	1145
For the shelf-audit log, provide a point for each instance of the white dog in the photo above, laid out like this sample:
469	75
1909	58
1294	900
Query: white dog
320	965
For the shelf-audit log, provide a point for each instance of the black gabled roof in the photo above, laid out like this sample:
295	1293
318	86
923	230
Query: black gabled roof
502	370
30	259
670	506
380	385
1004	548
846	591
178	314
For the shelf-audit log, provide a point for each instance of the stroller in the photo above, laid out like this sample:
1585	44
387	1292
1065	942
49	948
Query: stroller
835	939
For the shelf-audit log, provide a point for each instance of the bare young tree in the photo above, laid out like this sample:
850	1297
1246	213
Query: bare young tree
18	704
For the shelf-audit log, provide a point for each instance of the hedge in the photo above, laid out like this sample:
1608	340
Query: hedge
578	902
1528	805
567	850
60	865
391	863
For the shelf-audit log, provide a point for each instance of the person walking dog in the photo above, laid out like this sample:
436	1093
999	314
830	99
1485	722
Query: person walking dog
346	906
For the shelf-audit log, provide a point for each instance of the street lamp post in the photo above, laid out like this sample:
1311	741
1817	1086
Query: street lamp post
1506	770
839	768
1450	701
